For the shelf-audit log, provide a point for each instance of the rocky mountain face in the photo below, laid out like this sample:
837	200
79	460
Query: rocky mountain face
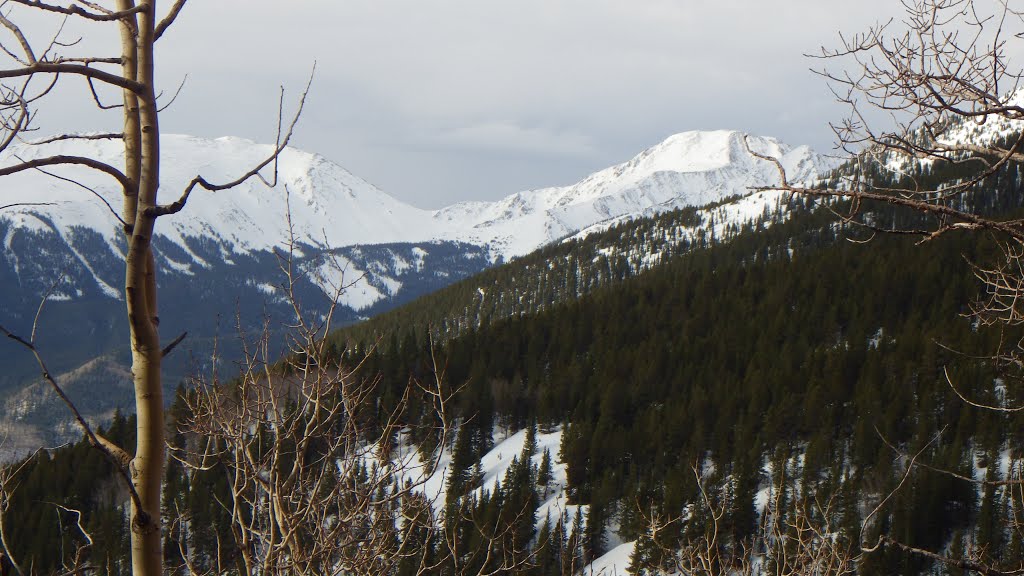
220	260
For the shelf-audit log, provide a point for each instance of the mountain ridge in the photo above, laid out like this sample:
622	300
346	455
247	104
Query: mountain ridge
686	169
221	255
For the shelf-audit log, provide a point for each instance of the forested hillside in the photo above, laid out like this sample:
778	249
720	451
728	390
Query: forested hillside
782	347
792	355
575	266
787	369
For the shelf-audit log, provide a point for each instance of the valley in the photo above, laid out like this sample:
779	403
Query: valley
591	323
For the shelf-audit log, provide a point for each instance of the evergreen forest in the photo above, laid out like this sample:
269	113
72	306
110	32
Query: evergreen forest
788	361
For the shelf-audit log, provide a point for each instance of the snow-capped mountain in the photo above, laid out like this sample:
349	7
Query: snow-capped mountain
219	258
946	133
331	208
328	205
687	169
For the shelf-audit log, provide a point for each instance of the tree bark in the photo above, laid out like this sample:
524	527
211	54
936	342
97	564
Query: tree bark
142	165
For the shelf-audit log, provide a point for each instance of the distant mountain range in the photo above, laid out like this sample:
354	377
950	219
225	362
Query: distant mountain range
219	258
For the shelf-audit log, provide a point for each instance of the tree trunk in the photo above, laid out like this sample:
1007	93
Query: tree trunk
142	163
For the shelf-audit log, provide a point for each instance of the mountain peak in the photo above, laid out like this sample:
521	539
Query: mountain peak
692	151
331	207
248	217
701	151
691	168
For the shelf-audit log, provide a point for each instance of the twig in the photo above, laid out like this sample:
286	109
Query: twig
116	454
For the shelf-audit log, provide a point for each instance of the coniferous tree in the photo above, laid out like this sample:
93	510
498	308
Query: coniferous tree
544	471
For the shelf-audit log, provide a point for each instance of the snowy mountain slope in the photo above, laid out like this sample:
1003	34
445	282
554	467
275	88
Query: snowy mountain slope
218	258
553	501
983	130
687	169
328	204
331	208
989	130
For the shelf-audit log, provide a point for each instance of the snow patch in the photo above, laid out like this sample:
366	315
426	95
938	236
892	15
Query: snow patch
614	563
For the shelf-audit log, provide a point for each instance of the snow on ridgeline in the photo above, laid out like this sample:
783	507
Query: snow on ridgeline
980	131
331	207
687	169
328	204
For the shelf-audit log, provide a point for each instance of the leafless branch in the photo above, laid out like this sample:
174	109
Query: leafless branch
175	97
791	542
60	137
61	159
116	455
101	15
96	97
73	68
960	563
282	143
7	476
172	14
30	57
881	504
88	189
945	371
174	344
21	204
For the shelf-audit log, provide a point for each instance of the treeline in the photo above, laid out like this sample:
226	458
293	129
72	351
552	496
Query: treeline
560	272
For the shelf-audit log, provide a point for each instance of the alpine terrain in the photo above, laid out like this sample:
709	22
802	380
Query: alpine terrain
221	262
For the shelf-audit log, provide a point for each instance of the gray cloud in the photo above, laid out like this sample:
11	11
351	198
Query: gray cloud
516	139
457	99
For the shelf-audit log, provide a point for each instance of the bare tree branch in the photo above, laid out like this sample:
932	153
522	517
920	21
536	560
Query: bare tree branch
7	476
175	96
945	371
96	97
91	191
169	19
30	57
177	206
63	160
58	138
960	563
20	204
116	455
72	68
174	344
75	10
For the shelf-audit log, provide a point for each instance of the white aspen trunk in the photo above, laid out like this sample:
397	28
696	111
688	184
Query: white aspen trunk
142	163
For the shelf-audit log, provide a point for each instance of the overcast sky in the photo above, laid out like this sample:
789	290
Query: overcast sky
446	100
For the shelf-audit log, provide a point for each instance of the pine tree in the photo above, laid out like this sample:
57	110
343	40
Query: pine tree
544	471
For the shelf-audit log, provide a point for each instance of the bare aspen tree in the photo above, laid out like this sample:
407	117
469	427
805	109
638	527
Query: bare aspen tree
798	539
937	88
312	489
319	481
35	68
